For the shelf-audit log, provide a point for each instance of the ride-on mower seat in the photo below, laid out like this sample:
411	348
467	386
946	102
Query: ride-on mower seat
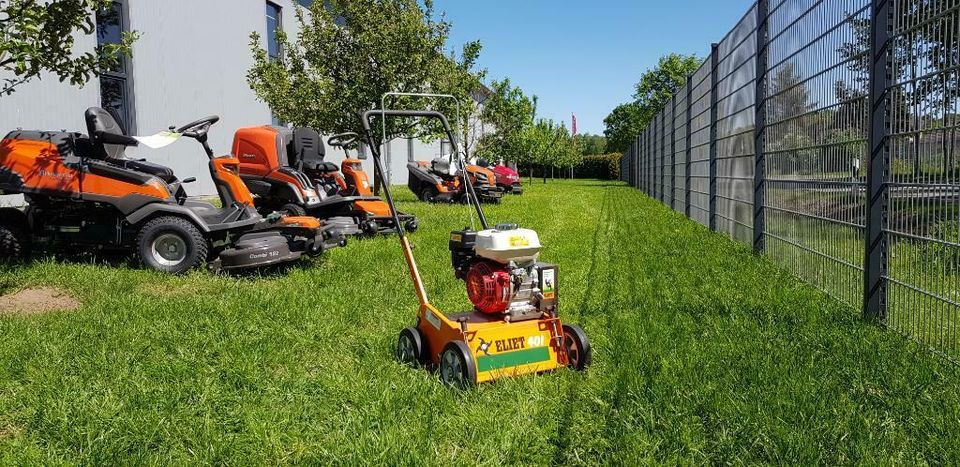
162	172
442	166
326	167
110	142
306	150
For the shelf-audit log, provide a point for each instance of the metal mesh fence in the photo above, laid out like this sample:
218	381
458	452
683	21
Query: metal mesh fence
680	152
840	119
736	103
699	153
922	230
666	166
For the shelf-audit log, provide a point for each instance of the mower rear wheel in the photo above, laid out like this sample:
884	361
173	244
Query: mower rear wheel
14	242
456	365
171	244
411	349
294	210
411	226
577	346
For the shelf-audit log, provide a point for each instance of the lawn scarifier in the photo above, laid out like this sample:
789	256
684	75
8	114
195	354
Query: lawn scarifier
514	328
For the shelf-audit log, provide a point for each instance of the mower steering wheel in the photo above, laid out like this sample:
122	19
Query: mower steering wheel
199	127
343	140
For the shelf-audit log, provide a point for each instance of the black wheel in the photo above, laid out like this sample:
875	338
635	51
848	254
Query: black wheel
411	347
14	242
292	209
369	228
578	348
456	365
171	244
428	193
412	225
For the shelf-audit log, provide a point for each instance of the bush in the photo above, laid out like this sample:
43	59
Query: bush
602	166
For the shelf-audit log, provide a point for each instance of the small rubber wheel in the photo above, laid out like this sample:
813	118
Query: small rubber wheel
171	244
14	243
369	228
578	348
412	225
411	348
456	365
294	210
428	194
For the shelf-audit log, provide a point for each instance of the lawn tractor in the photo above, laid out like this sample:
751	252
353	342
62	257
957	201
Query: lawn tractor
82	191
441	181
508	179
514	327
285	169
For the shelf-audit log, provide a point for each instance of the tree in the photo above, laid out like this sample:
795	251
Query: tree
624	123
657	86
349	53
38	36
589	145
509	112
654	90
790	97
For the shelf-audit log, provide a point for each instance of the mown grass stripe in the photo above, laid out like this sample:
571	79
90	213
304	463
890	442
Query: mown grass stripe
517	358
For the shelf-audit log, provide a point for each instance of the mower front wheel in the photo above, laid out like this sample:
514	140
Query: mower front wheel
428	194
14	242
412	226
171	244
577	345
456	366
294	210
411	347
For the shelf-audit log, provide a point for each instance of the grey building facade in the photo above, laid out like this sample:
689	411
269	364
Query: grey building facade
190	61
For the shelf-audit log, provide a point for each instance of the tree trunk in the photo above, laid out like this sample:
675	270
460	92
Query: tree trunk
544	168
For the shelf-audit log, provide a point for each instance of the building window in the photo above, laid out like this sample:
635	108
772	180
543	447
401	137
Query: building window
115	92
274	49
274	26
306	3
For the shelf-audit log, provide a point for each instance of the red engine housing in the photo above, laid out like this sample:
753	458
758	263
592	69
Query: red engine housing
489	287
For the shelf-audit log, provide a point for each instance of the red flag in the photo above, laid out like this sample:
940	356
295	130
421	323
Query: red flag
574	124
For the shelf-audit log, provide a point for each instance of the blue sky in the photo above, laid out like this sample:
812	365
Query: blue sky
584	57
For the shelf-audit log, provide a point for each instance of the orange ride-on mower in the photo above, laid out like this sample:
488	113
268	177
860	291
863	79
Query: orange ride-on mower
440	181
285	169
82	191
436	181
513	328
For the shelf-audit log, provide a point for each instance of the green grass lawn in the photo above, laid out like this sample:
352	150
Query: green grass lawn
702	353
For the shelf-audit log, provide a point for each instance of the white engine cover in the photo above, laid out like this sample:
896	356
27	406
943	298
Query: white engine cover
517	245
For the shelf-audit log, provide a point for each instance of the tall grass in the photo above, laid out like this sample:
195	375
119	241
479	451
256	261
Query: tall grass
703	353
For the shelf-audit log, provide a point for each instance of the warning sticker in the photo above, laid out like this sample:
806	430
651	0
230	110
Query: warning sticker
519	241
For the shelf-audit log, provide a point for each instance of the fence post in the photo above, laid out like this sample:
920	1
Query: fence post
875	261
714	61
689	138
760	127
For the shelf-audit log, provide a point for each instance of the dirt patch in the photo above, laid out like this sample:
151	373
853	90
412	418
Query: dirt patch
37	301
10	432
